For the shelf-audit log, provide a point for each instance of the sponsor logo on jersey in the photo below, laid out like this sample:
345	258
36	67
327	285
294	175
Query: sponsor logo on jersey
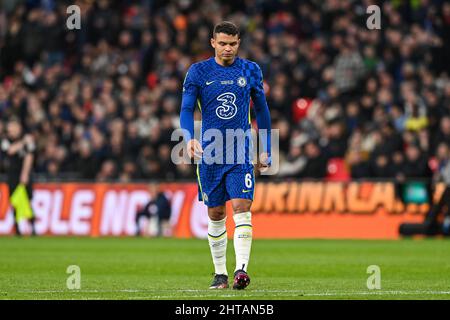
228	108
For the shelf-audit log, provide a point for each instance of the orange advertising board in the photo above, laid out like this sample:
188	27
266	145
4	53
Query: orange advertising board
280	210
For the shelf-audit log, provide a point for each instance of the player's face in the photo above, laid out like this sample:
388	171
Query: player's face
226	47
153	190
13	130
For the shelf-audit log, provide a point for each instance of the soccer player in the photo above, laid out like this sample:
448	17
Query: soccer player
18	154
431	223
222	87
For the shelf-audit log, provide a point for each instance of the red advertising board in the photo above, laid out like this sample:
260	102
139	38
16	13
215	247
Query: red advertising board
280	210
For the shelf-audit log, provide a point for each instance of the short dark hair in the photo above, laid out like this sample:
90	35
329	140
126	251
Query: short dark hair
15	119
226	27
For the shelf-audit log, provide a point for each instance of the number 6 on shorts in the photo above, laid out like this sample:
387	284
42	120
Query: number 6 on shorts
248	180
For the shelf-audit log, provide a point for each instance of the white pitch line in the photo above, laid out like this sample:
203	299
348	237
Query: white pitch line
307	294
377	293
171	297
247	293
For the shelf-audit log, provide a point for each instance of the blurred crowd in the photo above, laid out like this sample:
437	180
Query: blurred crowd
103	101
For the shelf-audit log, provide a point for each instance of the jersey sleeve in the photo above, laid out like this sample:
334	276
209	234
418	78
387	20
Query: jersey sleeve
190	93
5	145
262	110
30	146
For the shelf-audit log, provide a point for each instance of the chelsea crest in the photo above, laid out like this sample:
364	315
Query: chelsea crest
241	82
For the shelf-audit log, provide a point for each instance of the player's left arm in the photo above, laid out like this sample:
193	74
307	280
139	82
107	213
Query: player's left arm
262	117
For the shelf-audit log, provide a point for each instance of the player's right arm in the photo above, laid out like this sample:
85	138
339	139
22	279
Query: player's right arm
191	91
28	159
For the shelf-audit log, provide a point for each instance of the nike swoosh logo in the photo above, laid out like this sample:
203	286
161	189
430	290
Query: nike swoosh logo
245	191
209	82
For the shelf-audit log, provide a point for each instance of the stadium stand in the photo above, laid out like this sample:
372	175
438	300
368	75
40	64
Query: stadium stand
103	101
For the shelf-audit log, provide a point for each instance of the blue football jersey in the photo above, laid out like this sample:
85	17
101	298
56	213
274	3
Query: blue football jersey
223	96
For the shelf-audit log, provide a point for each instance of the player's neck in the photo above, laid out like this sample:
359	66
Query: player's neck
224	63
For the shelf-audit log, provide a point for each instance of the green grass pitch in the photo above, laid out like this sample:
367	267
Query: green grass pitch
132	268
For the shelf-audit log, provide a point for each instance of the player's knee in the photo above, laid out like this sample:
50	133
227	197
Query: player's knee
241	207
216	213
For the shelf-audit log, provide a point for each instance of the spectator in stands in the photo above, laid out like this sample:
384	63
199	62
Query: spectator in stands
316	161
17	153
443	204
380	166
337	139
443	135
416	164
294	163
349	67
358	167
159	209
108	171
